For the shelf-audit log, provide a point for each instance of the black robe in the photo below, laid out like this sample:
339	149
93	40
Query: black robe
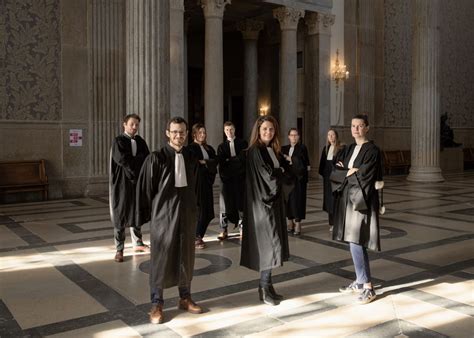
296	205
325	169
172	215
232	173
264	238
124	171
205	180
356	212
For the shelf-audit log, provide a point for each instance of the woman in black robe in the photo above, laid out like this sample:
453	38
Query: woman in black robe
326	165
296	153
205	179
264	238
356	179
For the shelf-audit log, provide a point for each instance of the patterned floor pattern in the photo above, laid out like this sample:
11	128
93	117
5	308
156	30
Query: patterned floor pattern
58	277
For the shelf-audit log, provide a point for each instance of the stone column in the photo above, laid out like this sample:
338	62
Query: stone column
148	67
288	19
425	122
214	70
318	83
177	58
250	30
107	83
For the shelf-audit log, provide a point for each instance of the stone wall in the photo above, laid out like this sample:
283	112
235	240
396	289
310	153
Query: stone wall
456	62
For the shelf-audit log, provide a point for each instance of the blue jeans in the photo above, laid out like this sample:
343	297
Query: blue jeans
361	263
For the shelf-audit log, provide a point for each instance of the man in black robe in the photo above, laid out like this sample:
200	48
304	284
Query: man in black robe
127	155
230	155
166	197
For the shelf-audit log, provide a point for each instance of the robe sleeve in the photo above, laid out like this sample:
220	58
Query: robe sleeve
123	157
147	187
264	179
322	162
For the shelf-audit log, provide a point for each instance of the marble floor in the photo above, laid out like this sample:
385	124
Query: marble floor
58	277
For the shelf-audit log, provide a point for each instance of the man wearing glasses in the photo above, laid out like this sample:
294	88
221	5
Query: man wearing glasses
166	197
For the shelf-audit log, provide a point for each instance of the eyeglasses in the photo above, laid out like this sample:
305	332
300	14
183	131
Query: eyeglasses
177	132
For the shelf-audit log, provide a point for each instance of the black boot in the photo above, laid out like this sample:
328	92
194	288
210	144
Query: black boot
265	296
273	293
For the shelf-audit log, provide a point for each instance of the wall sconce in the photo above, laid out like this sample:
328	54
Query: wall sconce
263	110
339	72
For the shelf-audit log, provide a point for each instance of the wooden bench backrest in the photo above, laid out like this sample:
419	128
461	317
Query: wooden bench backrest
22	172
393	157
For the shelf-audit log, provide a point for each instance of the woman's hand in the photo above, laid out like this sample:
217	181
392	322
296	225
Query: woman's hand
351	171
340	164
202	161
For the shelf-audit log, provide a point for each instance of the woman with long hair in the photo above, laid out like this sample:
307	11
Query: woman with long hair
264	238
205	179
329	154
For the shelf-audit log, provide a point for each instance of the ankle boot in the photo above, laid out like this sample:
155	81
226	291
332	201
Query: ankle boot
265	296
273	293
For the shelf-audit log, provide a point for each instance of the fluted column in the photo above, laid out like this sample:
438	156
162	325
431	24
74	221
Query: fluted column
177	58
288	19
250	30
148	67
317	82
425	134
107	81
214	69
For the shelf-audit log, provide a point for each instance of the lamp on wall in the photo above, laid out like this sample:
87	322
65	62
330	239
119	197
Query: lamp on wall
263	110
339	72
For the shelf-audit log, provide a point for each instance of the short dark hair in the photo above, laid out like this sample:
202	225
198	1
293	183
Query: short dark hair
293	129
176	120
229	124
131	116
362	117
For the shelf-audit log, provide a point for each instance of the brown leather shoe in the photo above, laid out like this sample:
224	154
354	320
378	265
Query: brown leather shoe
141	248
187	304
156	314
119	257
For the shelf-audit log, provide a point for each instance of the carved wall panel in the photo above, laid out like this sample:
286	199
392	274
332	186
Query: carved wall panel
30	60
398	62
457	62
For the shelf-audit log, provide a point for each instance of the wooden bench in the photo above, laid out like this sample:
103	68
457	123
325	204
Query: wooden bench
23	176
396	159
468	158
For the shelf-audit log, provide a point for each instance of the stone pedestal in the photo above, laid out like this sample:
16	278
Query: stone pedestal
425	125
148	67
214	70
288	19
452	160
250	30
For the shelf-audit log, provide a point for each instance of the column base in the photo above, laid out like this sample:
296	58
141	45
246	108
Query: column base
425	174
97	186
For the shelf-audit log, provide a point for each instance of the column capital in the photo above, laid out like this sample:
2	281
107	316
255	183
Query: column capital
250	28
319	23
214	8
177	5
288	17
